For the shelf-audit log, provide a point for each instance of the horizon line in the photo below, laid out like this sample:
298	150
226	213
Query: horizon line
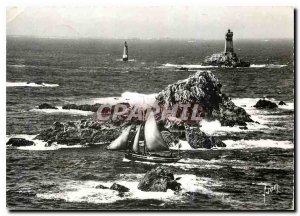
133	38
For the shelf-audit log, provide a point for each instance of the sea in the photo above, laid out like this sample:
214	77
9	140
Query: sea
254	172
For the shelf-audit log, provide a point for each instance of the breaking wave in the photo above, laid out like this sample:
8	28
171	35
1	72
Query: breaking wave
261	143
60	110
29	84
248	103
267	66
134	98
39	145
215	128
86	191
189	66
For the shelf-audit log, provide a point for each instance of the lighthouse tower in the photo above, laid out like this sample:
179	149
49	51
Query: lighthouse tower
228	42
125	52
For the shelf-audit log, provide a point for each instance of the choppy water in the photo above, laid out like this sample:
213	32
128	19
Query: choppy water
87	71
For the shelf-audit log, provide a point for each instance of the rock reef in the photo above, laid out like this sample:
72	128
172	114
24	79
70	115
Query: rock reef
18	142
224	59
265	104
204	89
86	131
159	180
46	106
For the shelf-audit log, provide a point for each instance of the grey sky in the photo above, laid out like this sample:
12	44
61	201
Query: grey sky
151	22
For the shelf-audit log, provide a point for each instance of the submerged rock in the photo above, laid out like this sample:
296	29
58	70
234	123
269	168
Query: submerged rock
46	106
101	187
204	89
243	128
198	139
265	104
159	179
17	142
83	107
119	188
281	103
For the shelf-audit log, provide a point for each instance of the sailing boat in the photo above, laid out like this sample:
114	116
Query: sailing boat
147	149
125	52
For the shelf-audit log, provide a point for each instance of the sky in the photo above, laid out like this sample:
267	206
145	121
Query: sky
178	22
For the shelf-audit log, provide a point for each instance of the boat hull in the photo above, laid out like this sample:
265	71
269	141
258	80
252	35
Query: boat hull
150	158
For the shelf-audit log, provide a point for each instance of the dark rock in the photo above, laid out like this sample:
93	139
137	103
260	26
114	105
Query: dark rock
17	142
281	103
119	188
46	106
101	187
80	132
168	137
198	139
83	107
58	126
204	89
70	106
228	59
159	179
265	104
244	127
183	69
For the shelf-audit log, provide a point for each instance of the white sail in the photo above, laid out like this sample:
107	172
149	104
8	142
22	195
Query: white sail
153	138
135	146
121	142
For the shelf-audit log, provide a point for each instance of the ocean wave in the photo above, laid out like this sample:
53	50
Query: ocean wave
248	103
17	65
60	110
134	98
31	84
86	192
261	143
215	128
189	66
267	66
39	145
187	164
200	66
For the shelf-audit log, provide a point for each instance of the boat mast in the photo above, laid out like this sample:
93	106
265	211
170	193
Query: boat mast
144	143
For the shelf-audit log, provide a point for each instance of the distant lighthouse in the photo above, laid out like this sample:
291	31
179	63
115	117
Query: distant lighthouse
229	42
125	52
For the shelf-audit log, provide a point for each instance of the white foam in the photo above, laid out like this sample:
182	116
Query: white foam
267	66
215	128
260	115
130	60
18	66
25	84
85	191
184	145
187	164
190	66
133	98
61	110
39	145
261	143
248	103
